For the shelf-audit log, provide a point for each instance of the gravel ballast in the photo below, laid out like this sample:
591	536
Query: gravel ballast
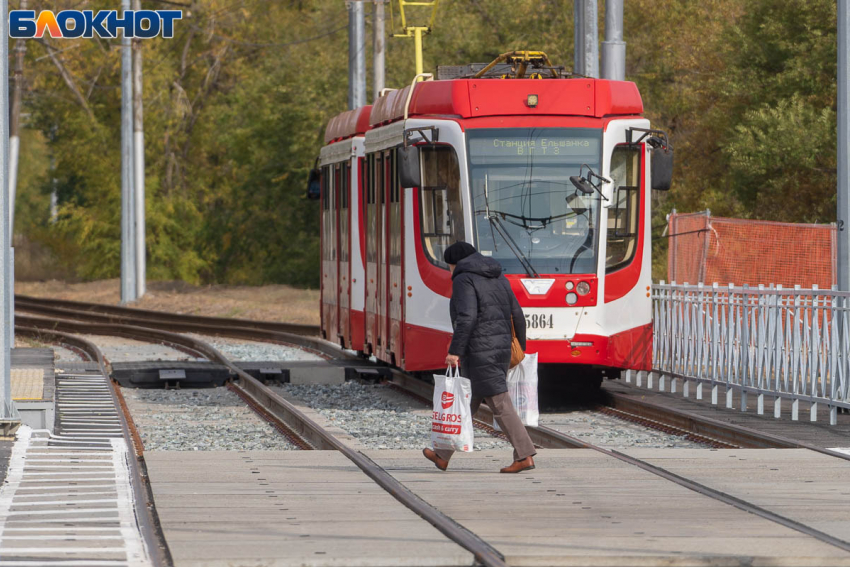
242	350
120	349
613	433
212	419
378	416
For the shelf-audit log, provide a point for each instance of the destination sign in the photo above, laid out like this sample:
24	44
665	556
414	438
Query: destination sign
543	148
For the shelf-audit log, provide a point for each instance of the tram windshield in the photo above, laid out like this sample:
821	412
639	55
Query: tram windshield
527	213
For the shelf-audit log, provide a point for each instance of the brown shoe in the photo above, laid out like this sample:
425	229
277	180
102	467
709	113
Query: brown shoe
525	464
441	464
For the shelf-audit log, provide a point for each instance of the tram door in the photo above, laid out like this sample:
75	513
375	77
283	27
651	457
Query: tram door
344	273
374	224
330	244
383	252
395	288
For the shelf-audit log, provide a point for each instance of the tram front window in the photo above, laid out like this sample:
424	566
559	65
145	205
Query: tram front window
522	197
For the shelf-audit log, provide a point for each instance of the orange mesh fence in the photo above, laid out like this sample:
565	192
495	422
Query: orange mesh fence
706	249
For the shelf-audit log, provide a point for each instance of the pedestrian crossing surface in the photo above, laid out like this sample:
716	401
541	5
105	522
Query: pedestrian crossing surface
68	499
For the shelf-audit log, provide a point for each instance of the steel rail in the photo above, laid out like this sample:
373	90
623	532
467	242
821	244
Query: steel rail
552	437
148	518
740	435
732	434
546	437
157	316
707	491
483	552
215	326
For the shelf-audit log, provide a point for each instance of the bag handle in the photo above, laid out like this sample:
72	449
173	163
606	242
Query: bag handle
513	330
456	372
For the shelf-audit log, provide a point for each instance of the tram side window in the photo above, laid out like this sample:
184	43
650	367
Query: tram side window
441	209
344	198
395	213
326	181
624	214
369	189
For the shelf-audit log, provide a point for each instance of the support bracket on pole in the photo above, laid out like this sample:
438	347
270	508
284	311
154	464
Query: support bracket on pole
417	32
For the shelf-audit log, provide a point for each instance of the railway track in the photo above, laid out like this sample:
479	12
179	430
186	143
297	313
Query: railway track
93	437
312	434
699	428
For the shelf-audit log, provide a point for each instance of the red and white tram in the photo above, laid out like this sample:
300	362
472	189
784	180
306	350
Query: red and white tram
551	177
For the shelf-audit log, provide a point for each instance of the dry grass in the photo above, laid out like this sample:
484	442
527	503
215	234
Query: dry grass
265	303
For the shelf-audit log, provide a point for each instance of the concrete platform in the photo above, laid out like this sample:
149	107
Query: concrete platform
33	385
818	433
306	508
578	507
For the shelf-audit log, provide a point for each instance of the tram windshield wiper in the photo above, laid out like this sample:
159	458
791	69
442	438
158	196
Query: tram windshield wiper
496	223
523	221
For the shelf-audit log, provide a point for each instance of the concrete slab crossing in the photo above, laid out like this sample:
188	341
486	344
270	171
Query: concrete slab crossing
311	508
801	485
578	507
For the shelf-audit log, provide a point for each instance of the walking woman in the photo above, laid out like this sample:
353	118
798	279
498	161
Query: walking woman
482	307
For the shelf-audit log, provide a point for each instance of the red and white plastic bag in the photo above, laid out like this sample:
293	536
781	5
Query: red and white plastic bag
451	427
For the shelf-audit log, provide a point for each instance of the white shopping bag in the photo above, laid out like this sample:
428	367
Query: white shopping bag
451	427
522	387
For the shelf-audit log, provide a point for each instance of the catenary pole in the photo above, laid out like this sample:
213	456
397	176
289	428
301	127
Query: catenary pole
128	233
843	217
6	331
614	48
591	39
14	127
578	37
14	151
139	164
356	55
378	45
585	38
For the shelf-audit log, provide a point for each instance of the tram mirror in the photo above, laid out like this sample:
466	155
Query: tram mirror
582	184
314	185
409	173
661	172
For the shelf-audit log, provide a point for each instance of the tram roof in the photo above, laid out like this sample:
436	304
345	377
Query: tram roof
473	98
347	124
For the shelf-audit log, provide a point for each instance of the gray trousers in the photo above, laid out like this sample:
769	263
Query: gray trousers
508	420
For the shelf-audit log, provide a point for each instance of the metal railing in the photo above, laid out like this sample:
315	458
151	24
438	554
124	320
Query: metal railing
789	344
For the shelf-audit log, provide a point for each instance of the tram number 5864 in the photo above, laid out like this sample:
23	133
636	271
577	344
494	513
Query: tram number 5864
539	321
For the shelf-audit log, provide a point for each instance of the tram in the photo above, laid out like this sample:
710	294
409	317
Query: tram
547	173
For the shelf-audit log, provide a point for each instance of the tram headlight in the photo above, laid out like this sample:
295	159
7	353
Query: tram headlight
570	286
583	288
572	298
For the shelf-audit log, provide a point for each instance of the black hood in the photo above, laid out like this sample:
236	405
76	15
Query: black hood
480	265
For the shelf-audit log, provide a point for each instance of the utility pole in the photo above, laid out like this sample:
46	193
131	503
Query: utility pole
6	277
378	45
14	128
586	38
14	151
356	55
614	48
139	164
843	217
128	234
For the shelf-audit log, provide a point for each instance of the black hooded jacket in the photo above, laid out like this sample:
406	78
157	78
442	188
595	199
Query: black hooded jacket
481	308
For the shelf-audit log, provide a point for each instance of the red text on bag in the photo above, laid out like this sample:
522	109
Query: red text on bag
448	429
